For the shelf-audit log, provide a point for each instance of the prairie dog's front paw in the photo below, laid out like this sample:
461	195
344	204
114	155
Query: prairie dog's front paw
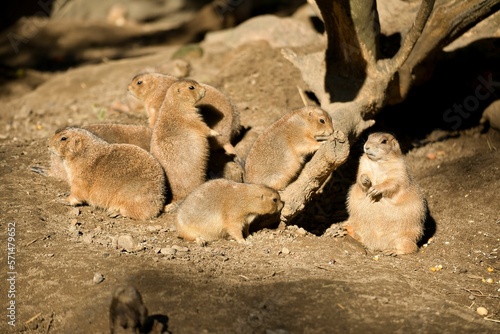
374	193
365	181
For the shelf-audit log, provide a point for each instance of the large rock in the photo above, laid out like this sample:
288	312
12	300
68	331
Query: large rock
278	32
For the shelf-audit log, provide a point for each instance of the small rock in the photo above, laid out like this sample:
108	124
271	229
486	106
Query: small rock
75	211
154	228
180	248
88	238
127	243
168	251
301	231
98	278
285	251
482	311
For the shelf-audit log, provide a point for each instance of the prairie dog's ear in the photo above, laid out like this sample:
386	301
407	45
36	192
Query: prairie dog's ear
74	145
395	145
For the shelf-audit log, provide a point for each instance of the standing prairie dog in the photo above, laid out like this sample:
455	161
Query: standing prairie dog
220	208
386	208
216	108
121	178
180	138
138	135
278	154
127	312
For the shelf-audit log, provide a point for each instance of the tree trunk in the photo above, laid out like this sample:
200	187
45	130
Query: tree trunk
353	83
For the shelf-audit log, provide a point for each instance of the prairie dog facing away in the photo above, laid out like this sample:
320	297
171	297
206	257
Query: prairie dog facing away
121	178
138	135
278	154
386	207
127	312
180	138
220	208
215	107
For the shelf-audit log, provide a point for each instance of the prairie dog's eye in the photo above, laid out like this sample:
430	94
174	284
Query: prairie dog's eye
384	141
191	87
275	200
322	120
64	138
139	82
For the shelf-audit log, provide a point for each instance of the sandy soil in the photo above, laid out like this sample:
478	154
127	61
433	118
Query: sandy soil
293	279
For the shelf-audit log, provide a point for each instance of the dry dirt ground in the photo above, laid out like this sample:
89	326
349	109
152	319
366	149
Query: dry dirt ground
293	279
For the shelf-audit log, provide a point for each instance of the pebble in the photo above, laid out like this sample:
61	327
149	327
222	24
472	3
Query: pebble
482	311
154	228
127	243
98	278
75	211
180	248
285	251
168	251
301	231
88	238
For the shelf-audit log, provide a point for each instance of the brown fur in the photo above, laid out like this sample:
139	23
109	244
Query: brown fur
138	135
127	312
180	138
216	108
278	154
133	134
122	178
221	208
386	208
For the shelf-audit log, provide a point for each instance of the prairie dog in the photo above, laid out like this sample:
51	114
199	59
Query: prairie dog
180	138
127	312
216	108
138	135
121	178
491	115
278	154
220	208
133	134
386	208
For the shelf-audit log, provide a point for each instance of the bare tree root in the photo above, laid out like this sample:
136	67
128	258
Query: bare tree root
330	155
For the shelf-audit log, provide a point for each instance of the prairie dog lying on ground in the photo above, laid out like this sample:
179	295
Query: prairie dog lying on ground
121	178
221	207
138	135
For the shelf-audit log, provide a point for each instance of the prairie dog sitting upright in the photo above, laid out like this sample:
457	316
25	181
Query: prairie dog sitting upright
215	107
220	208
121	178
180	138
279	153
386	207
127	312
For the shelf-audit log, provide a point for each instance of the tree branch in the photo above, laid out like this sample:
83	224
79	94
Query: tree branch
447	22
330	155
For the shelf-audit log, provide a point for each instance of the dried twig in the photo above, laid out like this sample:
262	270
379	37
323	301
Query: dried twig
33	318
